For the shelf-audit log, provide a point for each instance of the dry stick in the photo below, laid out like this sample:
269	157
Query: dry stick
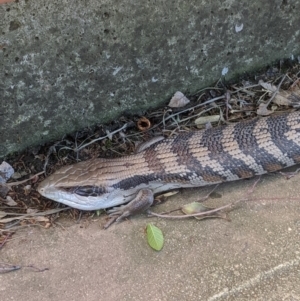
8	268
289	175
35	268
196	214
110	222
5	240
244	89
274	199
24	181
49	152
100	138
276	92
199	201
11	225
250	191
197	115
227	99
178	113
194	107
14	228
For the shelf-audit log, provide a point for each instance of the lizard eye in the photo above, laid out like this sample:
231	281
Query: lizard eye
89	190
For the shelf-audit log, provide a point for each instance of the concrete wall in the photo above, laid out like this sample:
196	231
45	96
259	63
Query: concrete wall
66	64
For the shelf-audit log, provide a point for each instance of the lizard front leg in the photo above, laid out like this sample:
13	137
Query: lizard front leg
142	201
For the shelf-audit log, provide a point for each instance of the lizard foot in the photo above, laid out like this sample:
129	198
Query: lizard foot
142	201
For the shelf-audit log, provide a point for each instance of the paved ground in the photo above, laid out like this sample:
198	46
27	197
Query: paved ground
256	256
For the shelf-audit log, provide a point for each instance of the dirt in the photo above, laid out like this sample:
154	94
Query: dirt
255	256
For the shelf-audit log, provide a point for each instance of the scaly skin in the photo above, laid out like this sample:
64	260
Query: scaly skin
190	159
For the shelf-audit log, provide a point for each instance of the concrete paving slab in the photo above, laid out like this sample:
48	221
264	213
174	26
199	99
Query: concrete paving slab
255	256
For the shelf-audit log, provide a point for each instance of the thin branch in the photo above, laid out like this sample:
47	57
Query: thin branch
100	138
6	267
195	214
24	181
276	92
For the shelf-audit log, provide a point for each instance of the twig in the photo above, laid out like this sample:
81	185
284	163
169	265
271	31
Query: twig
208	195
199	201
19	216
244	89
289	175
276	92
178	113
163	215
9	235
251	189
77	149
49	152
110	221
195	214
20	227
227	99
6	267
197	115
194	107
35	268
24	181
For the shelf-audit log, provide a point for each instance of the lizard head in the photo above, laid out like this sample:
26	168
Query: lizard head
81	186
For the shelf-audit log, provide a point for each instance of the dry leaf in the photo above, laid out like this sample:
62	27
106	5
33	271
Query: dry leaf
178	100
269	87
31	211
2	214
263	111
281	99
6	171
16	175
10	201
41	219
196	207
27	189
207	119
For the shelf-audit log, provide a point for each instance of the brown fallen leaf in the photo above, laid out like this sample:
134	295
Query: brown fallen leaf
267	86
263	111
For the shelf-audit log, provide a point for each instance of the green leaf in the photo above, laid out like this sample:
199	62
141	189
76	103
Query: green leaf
155	237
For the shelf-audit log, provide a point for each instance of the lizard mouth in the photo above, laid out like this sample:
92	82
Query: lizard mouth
86	191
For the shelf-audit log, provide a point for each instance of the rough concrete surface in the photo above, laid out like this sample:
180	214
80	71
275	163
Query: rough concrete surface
256	256
68	64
